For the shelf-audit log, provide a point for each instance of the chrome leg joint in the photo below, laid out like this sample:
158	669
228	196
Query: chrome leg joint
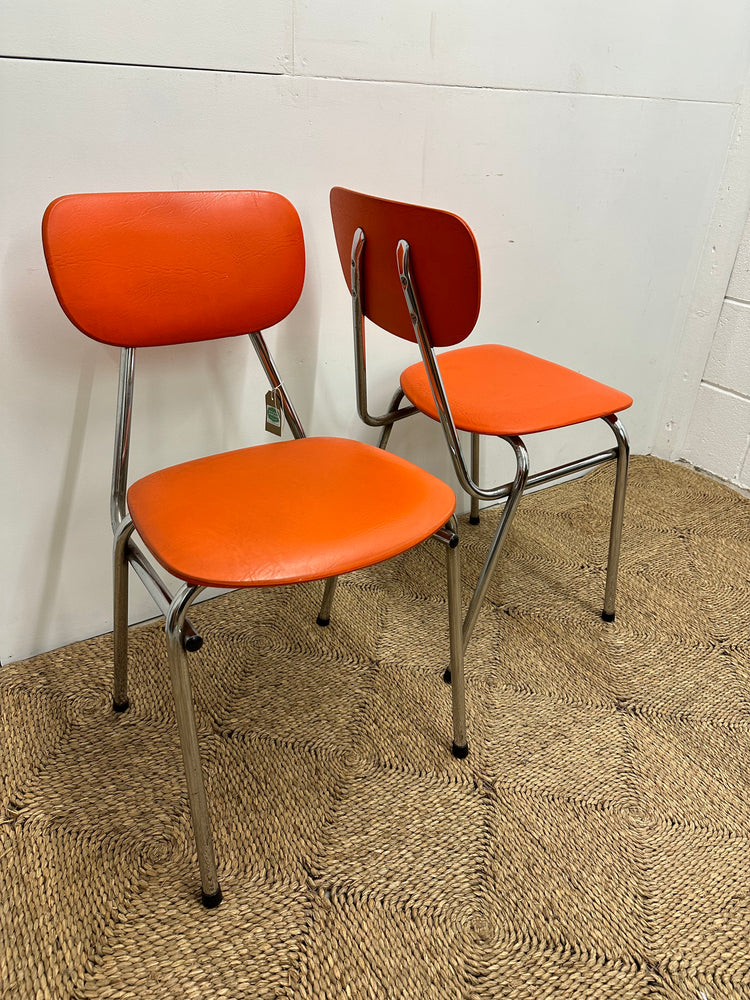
448	535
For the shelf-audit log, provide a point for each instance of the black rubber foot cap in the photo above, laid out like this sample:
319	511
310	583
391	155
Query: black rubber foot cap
193	643
460	752
323	621
212	901
447	676
473	520
608	617
121	706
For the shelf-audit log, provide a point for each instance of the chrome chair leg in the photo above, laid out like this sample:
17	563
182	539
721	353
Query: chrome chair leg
618	509
387	428
474	515
183	697
460	746
522	472
120	568
324	615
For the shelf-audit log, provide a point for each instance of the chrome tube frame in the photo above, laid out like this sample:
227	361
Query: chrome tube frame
474	513
434	376
385	434
145	571
123	424
618	510
188	732
522	481
455	672
360	350
324	615
490	563
467	481
123	531
276	382
153	583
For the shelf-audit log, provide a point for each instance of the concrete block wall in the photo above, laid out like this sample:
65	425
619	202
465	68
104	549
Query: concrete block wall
718	435
585	143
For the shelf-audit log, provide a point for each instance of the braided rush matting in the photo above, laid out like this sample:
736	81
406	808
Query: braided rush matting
595	843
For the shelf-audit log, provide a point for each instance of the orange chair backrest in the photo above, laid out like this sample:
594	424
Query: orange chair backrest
444	264
151	268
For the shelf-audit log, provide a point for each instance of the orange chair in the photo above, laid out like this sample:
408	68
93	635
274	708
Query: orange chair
414	271
146	269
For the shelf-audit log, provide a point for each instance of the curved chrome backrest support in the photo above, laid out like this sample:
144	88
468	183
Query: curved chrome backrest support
388	418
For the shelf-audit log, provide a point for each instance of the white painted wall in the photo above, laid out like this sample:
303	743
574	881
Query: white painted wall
221	35
718	435
705	407
584	142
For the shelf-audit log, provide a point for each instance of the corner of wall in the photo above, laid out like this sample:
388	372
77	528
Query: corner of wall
709	287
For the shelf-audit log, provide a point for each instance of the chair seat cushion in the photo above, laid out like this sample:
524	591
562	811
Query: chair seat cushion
500	390
286	512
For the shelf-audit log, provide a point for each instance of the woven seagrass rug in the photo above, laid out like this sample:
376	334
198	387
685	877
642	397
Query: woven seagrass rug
596	842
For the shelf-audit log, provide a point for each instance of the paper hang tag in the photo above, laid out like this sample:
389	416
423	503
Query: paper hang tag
273	412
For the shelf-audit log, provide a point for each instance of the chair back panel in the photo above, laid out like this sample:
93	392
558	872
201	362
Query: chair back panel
444	264
152	268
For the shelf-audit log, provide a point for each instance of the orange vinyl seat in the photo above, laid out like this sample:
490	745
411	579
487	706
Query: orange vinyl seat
192	516
157	268
537	395
414	271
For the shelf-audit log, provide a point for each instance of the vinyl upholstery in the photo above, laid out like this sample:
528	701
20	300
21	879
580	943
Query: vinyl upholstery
286	512
445	259
144	269
503	391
